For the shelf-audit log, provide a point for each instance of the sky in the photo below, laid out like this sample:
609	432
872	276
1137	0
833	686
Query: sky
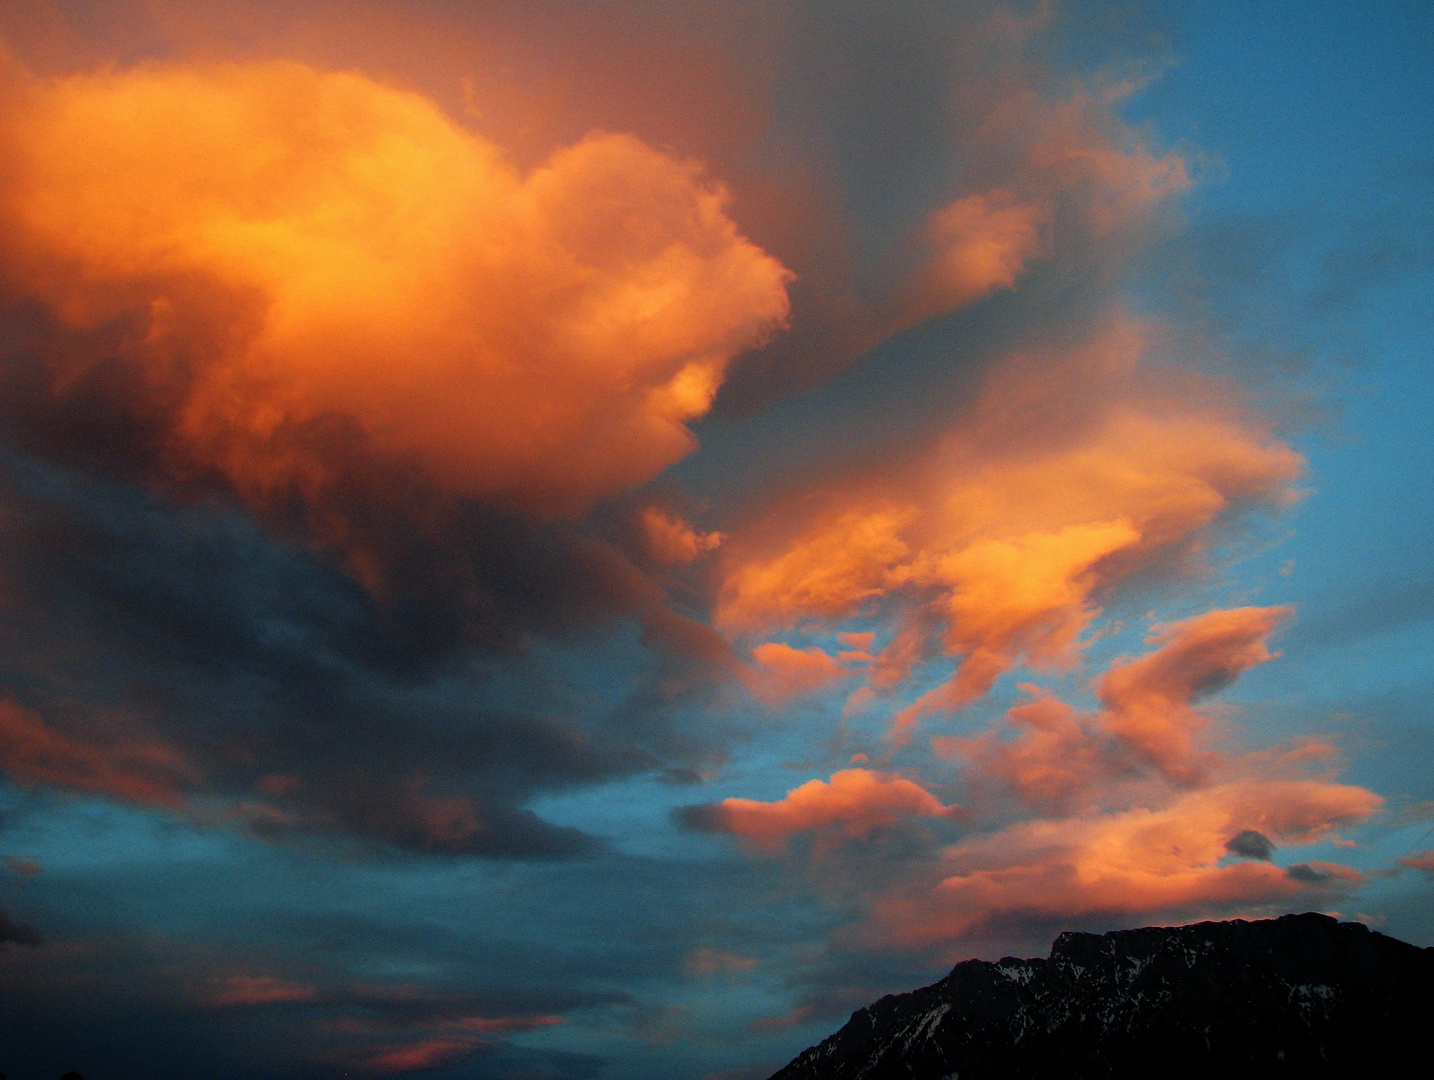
547	541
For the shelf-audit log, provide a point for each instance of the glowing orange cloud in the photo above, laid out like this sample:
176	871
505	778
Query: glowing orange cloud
1150	715
1067	481
31	752
1149	702
307	244
1134	862
1056	754
855	803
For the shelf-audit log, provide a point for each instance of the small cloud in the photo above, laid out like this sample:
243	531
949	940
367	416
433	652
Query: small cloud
1323	873
1251	844
672	540
854	804
1419	860
782	673
23	865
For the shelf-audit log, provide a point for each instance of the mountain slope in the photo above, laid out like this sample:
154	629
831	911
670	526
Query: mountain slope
1300	995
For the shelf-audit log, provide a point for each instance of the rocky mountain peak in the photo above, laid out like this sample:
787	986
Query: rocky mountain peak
1301	994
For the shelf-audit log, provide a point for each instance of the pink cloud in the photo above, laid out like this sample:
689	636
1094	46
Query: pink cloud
783	672
854	803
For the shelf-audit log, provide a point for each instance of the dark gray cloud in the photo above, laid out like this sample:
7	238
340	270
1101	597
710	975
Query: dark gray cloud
279	685
17	933
1251	845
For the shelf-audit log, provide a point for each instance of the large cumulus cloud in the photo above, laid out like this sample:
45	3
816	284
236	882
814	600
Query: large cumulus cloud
307	390
309	243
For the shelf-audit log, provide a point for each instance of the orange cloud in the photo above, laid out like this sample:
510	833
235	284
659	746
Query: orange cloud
1079	146
1056	753
839	563
855	803
980	243
293	245
1132	863
783	673
32	752
1150	713
1149	702
1069	479
672	540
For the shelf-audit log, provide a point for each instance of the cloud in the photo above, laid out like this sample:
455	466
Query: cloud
234	1017
290	244
181	658
1150	717
317	297
1134	817
783	672
1419	860
672	540
983	242
1251	844
1149	703
979	170
1130	864
1055	756
142	771
17	933
854	803
1070	479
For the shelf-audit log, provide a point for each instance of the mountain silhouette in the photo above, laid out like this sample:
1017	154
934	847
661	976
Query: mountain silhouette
1302	995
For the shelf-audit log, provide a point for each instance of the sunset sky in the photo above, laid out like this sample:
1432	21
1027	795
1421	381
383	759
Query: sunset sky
589	540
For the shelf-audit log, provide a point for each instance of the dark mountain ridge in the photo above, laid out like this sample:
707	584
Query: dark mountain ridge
1299	995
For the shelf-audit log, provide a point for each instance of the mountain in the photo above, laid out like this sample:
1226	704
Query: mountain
1302	995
